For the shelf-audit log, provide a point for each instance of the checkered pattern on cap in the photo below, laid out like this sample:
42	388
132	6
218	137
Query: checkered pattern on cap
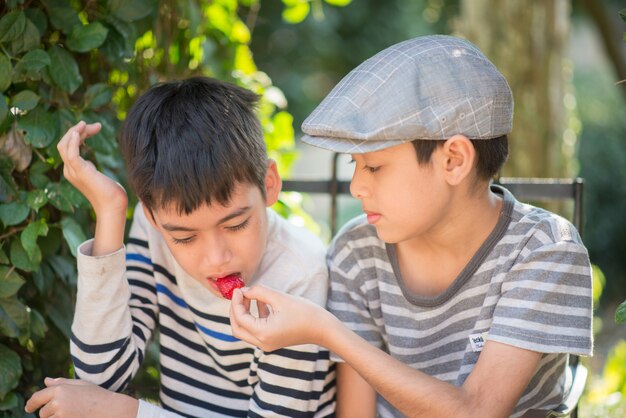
430	87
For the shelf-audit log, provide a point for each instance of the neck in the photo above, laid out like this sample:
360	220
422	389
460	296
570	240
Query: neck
431	261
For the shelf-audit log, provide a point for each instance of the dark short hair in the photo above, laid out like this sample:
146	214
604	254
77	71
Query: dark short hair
189	142
491	154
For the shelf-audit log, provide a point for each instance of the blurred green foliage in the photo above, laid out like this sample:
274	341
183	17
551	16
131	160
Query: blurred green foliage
620	313
602	158
306	60
62	61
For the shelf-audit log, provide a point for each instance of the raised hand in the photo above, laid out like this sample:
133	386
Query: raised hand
283	320
71	398
102	192
108	198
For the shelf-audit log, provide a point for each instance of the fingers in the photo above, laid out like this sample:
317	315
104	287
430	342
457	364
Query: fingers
263	309
76	135
262	294
239	314
90	130
39	399
49	381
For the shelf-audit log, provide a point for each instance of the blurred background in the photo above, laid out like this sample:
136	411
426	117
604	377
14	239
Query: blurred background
66	60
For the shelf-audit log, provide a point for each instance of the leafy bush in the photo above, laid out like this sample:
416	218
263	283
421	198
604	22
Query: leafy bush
62	61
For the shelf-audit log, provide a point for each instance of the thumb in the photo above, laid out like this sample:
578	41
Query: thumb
50	381
262	294
91	129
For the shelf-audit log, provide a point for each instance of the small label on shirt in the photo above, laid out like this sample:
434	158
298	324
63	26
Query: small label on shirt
478	341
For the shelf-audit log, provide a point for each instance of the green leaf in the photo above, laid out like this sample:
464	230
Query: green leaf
6	70
73	233
19	258
25	100
98	95
38	325
104	142
120	42
10	370
36	199
4	107
62	15
64	267
37	179
12	26
29	237
339	3
33	61
56	197
72	194
64	69
622	13
41	126
3	257
9	402
59	309
8	187
131	10
39	19
13	213
43	277
10	282
84	38
620	313
28	41
13	317
296	13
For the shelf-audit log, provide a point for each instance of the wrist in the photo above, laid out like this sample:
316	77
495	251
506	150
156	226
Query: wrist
329	328
109	233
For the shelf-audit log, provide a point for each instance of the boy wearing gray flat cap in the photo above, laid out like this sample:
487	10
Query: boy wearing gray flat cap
448	298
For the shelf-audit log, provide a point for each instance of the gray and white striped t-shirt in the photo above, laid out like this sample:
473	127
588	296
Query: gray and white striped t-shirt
529	285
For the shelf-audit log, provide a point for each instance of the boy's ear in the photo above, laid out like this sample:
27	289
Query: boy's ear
273	183
149	216
459	156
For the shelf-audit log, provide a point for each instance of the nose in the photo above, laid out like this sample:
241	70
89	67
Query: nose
358	188
217	255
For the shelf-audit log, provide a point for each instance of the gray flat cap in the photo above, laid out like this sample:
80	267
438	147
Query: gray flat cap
430	87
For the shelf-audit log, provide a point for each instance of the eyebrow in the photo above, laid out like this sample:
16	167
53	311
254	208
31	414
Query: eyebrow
235	214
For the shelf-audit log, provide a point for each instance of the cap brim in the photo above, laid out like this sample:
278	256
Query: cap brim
350	146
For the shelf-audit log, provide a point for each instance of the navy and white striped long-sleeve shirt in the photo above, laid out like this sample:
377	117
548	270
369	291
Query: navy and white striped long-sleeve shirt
205	371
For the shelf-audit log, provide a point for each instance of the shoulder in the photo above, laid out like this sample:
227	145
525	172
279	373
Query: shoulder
293	261
357	239
292	240
541	226
542	241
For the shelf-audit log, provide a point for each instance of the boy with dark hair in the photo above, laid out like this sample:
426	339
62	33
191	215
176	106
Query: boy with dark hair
449	298
196	159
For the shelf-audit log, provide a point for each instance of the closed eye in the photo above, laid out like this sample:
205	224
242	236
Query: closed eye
182	241
239	227
371	169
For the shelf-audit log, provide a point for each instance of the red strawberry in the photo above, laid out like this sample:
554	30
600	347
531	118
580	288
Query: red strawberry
228	284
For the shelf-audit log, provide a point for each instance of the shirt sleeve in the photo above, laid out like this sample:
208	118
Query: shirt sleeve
353	295
116	311
546	301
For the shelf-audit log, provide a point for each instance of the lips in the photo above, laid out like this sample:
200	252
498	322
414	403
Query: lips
372	217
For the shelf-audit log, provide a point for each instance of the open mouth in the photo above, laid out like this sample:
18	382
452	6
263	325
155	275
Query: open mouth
227	284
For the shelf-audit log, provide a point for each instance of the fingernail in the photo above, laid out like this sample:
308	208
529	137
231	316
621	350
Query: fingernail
244	289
